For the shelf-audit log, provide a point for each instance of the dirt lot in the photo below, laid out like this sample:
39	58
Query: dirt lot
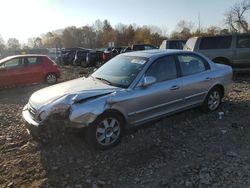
190	149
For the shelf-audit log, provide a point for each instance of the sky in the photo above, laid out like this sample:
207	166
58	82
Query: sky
23	19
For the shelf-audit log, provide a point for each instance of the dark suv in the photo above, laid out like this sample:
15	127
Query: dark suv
233	50
80	57
137	47
173	44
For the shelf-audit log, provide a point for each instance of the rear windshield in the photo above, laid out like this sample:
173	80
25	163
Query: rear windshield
222	42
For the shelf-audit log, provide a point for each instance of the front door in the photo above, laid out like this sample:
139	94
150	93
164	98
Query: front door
158	99
11	72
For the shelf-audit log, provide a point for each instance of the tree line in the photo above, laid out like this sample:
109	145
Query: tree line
100	33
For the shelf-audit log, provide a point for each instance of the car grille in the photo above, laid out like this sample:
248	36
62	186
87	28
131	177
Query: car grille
32	111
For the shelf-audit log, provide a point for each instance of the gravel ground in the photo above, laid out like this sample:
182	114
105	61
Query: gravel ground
190	149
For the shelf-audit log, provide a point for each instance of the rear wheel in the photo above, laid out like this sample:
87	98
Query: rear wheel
221	61
213	100
51	78
84	64
106	131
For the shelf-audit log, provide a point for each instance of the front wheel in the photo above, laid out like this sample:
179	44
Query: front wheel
212	101
51	78
106	131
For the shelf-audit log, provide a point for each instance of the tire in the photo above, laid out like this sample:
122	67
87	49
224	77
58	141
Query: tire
213	100
51	78
222	61
84	64
106	131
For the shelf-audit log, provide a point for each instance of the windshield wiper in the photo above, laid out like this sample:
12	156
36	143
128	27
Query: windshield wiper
103	80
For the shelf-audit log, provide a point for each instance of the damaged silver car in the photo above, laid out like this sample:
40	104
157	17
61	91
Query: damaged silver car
129	90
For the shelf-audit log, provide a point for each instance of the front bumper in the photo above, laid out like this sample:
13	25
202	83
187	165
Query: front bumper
35	128
31	125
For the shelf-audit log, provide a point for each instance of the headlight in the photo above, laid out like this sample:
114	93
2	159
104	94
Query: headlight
42	116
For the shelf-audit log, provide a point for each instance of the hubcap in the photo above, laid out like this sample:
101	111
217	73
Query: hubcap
108	131
51	78
213	100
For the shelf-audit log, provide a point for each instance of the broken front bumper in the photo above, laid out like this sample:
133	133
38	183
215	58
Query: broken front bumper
35	128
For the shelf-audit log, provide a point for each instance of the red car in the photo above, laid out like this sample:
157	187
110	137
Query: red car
27	69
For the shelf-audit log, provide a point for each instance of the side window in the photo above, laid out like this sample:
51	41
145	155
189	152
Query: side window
191	64
221	42
163	69
174	45
13	63
33	60
243	42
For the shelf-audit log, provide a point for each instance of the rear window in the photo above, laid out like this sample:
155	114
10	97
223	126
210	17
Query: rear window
138	47
34	60
222	42
191	64
243	42
174	45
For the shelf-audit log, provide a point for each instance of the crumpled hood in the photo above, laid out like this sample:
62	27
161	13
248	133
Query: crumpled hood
78	89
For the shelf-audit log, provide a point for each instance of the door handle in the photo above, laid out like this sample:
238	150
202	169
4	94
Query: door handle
207	79
175	87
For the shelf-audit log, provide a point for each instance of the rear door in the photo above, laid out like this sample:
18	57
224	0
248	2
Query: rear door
33	71
242	52
196	78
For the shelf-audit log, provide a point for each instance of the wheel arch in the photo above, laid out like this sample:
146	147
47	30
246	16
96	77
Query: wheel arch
117	112
220	87
222	60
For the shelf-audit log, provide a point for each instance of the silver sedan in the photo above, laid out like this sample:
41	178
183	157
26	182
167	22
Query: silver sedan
129	90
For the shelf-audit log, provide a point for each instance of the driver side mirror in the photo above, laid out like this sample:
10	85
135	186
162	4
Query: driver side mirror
147	81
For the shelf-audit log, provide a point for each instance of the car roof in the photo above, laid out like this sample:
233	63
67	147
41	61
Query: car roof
17	56
154	53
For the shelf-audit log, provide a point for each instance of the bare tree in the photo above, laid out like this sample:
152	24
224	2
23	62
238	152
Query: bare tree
38	43
213	30
13	44
2	45
31	42
183	30
235	18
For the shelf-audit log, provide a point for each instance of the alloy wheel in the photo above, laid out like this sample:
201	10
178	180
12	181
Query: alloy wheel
214	100
51	78
108	131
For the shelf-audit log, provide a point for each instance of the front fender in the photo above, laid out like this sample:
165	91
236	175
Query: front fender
86	113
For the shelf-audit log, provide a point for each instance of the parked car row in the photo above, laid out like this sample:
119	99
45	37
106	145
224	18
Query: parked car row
88	57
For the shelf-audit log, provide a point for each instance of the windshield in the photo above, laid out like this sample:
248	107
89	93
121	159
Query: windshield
120	71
